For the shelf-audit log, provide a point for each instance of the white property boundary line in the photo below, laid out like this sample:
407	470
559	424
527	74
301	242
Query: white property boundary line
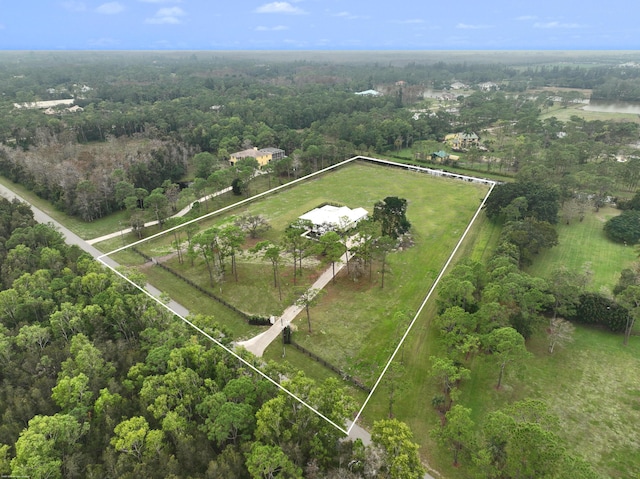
287	185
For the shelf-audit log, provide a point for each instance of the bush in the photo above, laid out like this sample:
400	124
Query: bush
595	308
624	228
259	321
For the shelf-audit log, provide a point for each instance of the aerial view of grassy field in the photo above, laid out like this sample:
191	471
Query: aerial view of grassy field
355	324
584	243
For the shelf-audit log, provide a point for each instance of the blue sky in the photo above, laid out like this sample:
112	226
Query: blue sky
319	25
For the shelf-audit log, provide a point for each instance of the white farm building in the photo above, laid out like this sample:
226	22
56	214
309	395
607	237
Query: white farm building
328	218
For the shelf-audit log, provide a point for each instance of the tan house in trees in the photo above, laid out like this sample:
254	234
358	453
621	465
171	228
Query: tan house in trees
462	141
263	156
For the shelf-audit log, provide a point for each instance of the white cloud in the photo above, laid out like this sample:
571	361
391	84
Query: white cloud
556	25
466	26
411	21
277	28
279	7
349	16
74	6
110	8
167	16
161	1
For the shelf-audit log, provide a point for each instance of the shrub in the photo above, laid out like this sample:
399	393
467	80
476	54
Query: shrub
624	228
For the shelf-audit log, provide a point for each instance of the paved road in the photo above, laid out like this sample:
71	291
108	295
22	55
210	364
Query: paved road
72	238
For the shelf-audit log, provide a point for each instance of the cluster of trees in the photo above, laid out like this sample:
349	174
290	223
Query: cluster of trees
116	386
521	440
82	180
625	228
488	311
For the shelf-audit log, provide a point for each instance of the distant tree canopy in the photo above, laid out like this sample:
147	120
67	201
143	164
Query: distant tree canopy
542	200
391	214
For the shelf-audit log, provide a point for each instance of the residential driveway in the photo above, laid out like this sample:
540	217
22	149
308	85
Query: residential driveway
259	343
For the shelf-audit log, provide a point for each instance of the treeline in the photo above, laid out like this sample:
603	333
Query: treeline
146	116
619	89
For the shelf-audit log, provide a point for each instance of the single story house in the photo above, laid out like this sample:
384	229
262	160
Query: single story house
262	156
488	86
331	218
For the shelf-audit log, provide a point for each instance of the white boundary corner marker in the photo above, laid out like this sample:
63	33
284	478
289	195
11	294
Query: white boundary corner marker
287	185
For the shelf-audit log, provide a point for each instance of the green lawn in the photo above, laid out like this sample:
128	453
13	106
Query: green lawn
353	324
585	242
591	385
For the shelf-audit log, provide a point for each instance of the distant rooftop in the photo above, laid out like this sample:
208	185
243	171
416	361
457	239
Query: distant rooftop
369	93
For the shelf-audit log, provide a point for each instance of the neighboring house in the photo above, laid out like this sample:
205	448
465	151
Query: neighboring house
456	85
331	218
263	156
488	86
369	93
462	141
75	109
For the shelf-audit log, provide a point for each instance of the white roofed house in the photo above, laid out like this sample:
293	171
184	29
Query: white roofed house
331	218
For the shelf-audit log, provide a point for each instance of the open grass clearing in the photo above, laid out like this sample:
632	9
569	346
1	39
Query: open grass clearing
200	304
354	326
585	242
254	292
565	113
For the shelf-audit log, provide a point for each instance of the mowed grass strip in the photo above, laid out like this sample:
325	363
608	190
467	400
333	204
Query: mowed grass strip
197	303
585	242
